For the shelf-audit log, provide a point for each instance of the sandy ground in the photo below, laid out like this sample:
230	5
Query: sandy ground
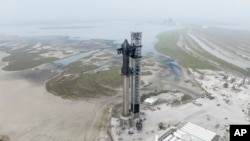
28	112
213	114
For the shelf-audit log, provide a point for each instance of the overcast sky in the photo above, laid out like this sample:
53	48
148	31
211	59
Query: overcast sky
15	11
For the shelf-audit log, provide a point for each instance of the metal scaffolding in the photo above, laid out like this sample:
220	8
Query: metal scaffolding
136	67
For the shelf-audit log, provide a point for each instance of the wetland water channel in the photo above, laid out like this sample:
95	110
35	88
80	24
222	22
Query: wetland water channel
170	61
175	67
66	61
98	30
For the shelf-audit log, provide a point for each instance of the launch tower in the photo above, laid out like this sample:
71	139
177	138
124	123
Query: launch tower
136	69
131	73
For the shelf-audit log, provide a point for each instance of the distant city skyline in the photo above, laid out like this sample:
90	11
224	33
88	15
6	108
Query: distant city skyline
54	11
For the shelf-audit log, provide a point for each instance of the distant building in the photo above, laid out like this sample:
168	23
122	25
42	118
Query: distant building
151	100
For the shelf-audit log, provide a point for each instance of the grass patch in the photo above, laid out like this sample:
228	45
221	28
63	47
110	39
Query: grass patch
146	73
168	45
105	118
148	64
150	83
211	57
27	64
90	85
111	78
186	98
77	68
97	59
5	48
142	82
20	59
107	54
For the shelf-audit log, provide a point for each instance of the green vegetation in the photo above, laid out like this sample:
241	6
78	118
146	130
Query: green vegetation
20	59
82	85
248	72
24	54
107	54
186	98
97	59
147	64
168	45
211	57
150	83
146	73
78	67
142	82
105	118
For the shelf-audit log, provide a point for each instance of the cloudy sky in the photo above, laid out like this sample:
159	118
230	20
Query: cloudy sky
21	11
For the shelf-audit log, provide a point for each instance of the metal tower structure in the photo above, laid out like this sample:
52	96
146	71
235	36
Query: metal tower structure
136	70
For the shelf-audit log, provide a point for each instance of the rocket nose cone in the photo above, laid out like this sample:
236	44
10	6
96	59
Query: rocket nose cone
125	43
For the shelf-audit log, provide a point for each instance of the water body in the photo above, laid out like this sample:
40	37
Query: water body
107	30
173	64
66	61
175	67
3	44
